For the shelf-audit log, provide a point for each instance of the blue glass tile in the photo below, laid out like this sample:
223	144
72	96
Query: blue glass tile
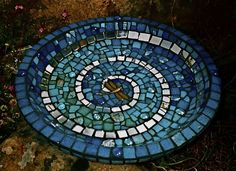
49	37
141	27
39	124
154	148
117	152
196	126
203	119
91	149
104	152
65	29
167	144
56	136
21	72
67	141
178	139
25	61
129	152
47	131
42	42
26	110
32	117
24	102
212	104
79	146
19	79
141	151
208	112
188	133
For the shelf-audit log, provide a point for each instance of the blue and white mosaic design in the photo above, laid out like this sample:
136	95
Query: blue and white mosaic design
118	89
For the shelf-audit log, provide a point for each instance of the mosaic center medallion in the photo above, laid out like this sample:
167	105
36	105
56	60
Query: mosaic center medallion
118	89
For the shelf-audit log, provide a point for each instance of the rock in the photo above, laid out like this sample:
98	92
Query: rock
8	150
58	164
28	155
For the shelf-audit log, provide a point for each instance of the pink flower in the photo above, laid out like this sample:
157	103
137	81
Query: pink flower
65	14
19	7
11	88
41	29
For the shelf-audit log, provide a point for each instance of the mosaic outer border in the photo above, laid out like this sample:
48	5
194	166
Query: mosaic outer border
69	142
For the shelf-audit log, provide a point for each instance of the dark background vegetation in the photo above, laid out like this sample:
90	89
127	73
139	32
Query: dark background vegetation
210	22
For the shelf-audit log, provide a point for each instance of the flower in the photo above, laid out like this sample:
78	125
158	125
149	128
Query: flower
12	102
19	7
11	88
65	14
41	29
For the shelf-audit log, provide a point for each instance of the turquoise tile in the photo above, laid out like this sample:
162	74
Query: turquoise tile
129	153
167	144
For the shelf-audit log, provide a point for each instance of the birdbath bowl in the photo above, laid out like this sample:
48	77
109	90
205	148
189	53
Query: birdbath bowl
118	89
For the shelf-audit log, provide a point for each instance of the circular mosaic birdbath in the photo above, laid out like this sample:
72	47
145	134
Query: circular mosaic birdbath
118	89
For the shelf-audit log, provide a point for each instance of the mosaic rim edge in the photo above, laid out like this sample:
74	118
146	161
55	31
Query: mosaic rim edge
153	149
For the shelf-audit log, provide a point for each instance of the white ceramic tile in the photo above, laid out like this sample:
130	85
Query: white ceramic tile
110	135
86	102
46	100
164	85
96	63
166	44
55	113
80	77
175	48
78	83
133	102
121	58
128	59
128	79
162	111
125	107
61	119
154	71
155	40
136	89
78	128
88	67
122	133
150	123
80	96
44	94
132	131
50	107
141	128
133	35
144	37
88	131
166	92
112	59
99	133
166	99
78	89
136	95
83	72
49	68
115	109
157	117
185	54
